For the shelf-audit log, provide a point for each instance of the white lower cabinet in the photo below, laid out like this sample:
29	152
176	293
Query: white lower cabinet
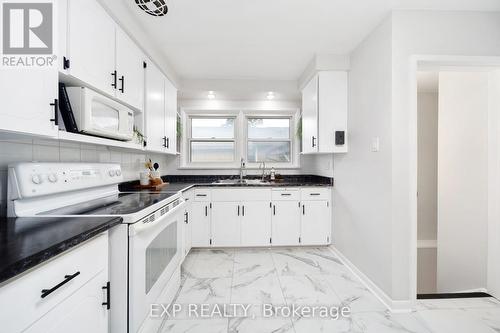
315	223
260	217
226	224
68	293
256	223
81	313
286	223
200	224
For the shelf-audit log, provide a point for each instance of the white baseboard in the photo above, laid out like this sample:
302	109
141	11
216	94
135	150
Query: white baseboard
392	305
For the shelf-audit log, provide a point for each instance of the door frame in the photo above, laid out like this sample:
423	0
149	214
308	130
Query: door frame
417	63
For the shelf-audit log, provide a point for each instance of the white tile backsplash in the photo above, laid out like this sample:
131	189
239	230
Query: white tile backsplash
40	150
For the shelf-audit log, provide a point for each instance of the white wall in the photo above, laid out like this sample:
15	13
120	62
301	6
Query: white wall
28	150
493	279
427	164
418	33
362	203
462	181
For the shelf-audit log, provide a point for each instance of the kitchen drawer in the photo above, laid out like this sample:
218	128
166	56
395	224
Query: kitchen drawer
286	195
315	193
202	194
241	194
21	298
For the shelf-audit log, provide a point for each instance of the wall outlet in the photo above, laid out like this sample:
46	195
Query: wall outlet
375	144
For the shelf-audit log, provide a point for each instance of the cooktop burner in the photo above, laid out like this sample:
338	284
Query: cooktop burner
120	204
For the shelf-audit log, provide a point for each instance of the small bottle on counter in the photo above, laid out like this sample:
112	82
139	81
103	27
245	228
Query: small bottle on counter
273	174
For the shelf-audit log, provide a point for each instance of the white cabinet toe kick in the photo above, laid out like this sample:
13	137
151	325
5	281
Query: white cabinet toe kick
256	217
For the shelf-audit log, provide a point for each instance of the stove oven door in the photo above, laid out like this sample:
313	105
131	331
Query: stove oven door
154	255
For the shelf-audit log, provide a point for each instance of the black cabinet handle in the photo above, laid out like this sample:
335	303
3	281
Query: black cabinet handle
274	210
122	80
66	63
243	210
186	217
313	142
167	143
55	104
201	195
206	210
238	210
315	194
303	209
107	287
286	194
113	74
67	278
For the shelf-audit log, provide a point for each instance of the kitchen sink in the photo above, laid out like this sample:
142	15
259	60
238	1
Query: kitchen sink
241	182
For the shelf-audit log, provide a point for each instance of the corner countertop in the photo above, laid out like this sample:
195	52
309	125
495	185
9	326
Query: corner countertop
26	242
184	183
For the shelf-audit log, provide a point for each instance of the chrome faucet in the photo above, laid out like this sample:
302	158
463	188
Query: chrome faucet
263	166
242	167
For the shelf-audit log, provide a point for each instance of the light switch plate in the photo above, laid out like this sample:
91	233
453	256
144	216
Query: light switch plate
375	144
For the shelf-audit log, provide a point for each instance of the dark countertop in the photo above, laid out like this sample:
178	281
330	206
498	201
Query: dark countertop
178	183
26	242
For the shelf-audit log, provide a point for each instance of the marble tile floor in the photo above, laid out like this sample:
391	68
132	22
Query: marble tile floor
306	277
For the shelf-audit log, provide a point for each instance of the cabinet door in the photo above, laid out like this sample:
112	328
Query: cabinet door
200	224
155	108
332	110
28	115
316	223
226	230
310	117
82	312
255	223
170	117
187	230
91	44
130	71
285	223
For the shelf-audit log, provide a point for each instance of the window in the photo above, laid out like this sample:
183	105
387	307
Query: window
212	139
269	140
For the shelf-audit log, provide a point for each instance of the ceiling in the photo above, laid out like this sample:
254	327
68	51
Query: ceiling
267	39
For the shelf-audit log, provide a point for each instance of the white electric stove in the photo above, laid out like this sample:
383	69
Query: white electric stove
145	250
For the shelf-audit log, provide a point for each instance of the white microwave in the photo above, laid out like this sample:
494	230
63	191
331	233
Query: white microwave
99	115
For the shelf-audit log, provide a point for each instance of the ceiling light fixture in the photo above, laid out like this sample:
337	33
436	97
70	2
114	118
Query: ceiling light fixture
153	7
270	95
211	95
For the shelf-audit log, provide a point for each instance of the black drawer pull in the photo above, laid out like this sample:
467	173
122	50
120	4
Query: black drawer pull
67	278
113	74
122	80
286	194
56	112
315	194
186	217
201	195
107	287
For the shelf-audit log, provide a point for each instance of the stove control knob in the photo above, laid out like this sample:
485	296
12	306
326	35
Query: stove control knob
118	173
53	178
36	179
111	173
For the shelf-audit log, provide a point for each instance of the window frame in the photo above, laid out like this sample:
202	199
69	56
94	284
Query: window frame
289	140
240	136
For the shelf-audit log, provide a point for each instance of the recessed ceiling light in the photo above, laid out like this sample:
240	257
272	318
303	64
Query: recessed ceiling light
211	95
270	95
153	7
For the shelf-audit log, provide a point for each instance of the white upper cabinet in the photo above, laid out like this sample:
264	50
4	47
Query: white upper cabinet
170	118
130	71
310	117
35	115
91	45
155	108
324	113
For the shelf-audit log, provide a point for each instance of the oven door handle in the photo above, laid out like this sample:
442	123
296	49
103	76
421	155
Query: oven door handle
139	227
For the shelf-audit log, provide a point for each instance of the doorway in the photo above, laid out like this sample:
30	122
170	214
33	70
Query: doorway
458	145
